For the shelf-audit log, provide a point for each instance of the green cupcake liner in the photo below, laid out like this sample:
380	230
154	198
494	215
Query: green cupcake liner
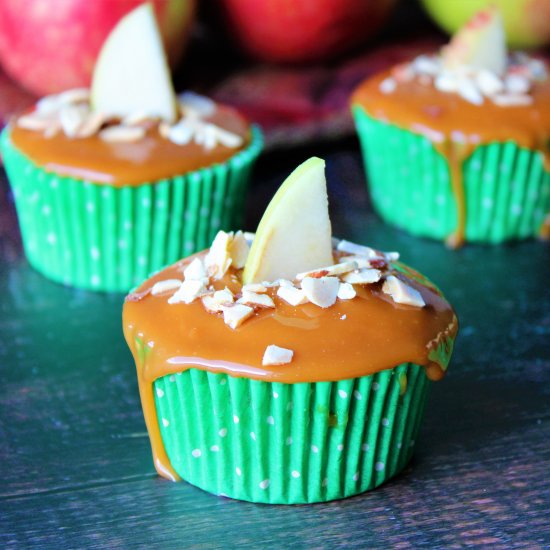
298	443
507	190
101	237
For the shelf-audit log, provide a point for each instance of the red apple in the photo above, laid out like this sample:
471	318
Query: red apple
303	30
51	46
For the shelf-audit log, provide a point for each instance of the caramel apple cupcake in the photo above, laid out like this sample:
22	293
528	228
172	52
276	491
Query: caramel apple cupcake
456	144
114	183
294	370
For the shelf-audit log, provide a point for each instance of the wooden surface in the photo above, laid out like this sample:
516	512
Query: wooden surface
76	468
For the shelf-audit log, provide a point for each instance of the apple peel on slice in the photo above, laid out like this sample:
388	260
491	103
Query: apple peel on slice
479	44
131	74
294	234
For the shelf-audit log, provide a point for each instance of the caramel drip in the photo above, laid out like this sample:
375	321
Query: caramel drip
350	339
146	160
455	155
455	127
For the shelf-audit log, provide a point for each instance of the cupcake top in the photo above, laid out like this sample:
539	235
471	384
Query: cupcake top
130	128
364	313
63	134
470	93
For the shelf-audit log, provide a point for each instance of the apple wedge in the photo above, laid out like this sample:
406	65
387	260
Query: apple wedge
480	44
294	234
131	74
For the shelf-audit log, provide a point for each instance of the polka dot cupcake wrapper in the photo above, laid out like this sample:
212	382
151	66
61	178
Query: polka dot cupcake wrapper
102	237
290	443
507	190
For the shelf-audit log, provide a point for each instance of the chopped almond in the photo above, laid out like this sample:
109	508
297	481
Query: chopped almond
294	296
164	286
402	293
223	297
275	355
322	292
363	276
211	305
238	250
253	299
218	260
195	270
187	292
235	315
337	269
255	287
356	249
346	291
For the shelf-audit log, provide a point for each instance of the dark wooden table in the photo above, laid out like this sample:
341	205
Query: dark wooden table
76	468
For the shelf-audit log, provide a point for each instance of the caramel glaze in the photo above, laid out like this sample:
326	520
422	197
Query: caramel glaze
456	127
149	159
350	339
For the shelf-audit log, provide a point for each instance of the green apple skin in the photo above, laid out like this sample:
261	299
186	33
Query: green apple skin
527	22
294	234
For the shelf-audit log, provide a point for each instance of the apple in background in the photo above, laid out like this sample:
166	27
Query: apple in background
49	46
527	22
299	31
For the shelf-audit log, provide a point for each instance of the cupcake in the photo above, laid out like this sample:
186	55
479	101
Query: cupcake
456	144
99	176
287	367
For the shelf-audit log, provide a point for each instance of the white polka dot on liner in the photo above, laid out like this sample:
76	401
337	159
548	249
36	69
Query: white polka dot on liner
314	448
165	422
385	422
253	436
365	447
375	386
235	419
270	420
379	466
343	394
238	471
160	393
196	453
289	440
340	447
355	476
295	474
214	448
275	395
357	395
223	432
264	484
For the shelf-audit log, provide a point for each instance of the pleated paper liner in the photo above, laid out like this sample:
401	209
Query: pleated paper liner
101	237
507	190
290	443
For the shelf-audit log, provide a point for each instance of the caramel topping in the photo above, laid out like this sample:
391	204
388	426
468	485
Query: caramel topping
443	117
351	338
127	163
375	334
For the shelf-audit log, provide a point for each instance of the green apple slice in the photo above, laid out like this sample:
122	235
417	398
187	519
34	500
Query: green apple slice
294	234
480	44
131	73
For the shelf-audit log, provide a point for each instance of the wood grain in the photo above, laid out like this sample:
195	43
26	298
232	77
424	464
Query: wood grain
76	463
